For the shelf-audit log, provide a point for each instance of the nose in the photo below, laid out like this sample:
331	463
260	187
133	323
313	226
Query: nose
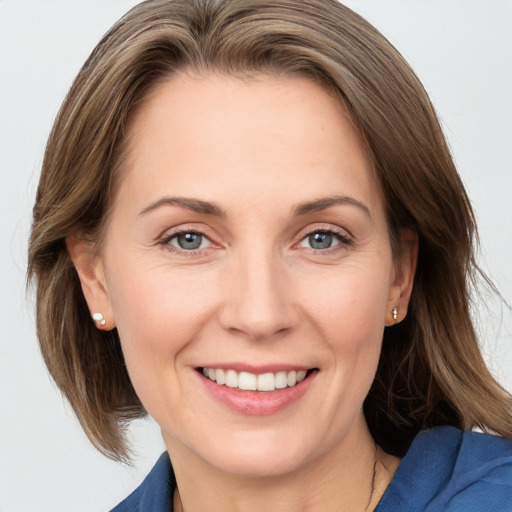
259	300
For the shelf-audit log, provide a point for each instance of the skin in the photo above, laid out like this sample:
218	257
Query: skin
256	291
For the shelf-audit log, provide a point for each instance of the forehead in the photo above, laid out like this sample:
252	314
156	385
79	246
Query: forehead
210	135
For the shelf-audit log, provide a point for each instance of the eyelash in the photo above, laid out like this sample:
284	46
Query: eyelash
166	242
344	240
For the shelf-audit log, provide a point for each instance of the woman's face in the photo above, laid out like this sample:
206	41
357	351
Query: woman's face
248	242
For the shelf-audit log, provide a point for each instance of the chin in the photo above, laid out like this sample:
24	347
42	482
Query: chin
256	463
259	454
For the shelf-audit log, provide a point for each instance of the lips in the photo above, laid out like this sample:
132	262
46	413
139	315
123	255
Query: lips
256	392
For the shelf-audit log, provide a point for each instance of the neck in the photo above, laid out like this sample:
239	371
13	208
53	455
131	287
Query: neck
351	477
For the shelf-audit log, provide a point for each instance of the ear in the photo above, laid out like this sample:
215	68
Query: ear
89	267
403	279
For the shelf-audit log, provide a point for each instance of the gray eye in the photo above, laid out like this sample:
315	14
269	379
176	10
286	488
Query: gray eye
189	241
320	240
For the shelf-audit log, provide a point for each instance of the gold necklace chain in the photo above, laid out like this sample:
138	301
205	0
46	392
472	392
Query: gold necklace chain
374	475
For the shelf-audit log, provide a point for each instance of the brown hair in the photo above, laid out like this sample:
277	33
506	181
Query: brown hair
431	371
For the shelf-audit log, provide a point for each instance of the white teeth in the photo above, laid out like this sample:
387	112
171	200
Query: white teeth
301	375
250	382
266	382
247	381
281	380
291	378
231	379
220	376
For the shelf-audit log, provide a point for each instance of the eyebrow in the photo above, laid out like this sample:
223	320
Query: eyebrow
326	202
207	208
195	205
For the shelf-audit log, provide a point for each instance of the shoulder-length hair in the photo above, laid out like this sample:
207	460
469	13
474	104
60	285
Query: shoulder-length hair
431	371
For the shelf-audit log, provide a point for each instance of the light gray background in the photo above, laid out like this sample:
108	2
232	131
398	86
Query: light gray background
461	49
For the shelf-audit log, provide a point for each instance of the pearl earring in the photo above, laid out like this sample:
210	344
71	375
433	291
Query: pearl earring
99	320
394	313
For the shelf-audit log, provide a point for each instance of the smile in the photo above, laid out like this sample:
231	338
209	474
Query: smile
257	393
247	381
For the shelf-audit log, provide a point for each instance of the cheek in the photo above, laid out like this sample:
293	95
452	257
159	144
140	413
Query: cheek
349	303
349	315
157	319
156	314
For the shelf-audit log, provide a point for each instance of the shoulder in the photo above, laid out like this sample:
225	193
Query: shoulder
154	494
451	471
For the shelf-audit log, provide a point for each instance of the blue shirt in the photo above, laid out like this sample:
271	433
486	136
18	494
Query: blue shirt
444	470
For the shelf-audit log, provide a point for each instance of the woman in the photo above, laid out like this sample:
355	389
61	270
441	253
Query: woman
255	204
